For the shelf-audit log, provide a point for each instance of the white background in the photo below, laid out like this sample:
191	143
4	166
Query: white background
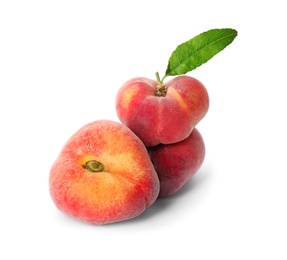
61	64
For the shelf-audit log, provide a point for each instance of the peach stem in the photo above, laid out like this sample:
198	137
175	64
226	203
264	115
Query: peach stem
160	83
94	166
161	89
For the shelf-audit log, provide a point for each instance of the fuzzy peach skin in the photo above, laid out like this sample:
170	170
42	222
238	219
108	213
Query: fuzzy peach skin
123	186
162	119
177	163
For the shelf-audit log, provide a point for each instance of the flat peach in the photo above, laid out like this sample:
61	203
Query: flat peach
162	114
103	174
176	163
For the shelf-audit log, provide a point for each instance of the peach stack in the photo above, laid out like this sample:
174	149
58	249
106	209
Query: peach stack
164	117
109	172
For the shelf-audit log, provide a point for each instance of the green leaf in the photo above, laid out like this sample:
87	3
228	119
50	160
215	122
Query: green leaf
195	52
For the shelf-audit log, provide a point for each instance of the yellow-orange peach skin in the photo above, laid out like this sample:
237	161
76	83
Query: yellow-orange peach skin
123	184
165	119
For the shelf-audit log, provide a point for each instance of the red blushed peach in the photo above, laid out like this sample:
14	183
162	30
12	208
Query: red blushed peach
176	163
103	174
162	114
